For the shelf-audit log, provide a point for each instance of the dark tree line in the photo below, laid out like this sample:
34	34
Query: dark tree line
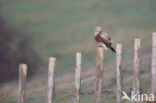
16	47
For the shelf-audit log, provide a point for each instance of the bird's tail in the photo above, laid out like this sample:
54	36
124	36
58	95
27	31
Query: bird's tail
113	49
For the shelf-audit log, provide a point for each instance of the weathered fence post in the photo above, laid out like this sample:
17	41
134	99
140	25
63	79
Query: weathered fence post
136	82
51	82
22	80
77	78
153	77
118	71
99	74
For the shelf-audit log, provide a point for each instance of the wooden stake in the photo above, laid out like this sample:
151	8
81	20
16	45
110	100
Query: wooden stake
136	82
22	80
77	78
99	74
153	77
118	71
51	82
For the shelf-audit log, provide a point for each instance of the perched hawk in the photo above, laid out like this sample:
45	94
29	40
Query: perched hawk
103	39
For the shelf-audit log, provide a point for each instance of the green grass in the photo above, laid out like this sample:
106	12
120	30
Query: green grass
63	27
36	91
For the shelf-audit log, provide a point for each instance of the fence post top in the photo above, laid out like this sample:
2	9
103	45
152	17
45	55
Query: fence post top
23	68
78	58
119	45
118	49
78	53
154	33
100	48
137	40
53	59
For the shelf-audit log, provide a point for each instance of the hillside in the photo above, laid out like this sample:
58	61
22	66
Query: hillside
63	27
36	87
60	28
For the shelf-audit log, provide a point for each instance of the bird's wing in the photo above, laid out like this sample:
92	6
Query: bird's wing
106	39
107	35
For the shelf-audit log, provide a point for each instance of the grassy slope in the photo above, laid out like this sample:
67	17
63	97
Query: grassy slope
63	27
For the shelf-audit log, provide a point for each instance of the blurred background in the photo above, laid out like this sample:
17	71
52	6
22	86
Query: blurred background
33	30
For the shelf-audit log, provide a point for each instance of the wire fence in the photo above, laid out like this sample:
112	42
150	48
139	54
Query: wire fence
36	86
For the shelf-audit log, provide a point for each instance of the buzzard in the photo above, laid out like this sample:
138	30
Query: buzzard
103	39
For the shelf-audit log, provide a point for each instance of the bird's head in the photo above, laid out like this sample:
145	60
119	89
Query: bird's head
98	30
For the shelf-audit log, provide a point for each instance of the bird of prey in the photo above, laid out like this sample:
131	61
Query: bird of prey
103	39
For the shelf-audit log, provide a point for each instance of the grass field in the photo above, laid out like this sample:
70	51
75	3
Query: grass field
62	27
36	88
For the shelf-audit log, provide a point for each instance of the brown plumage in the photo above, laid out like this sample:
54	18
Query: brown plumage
103	39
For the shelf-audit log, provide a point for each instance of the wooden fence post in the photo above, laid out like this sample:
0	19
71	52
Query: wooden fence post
51	82
118	71
153	77
77	78
22	80
136	82
99	74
